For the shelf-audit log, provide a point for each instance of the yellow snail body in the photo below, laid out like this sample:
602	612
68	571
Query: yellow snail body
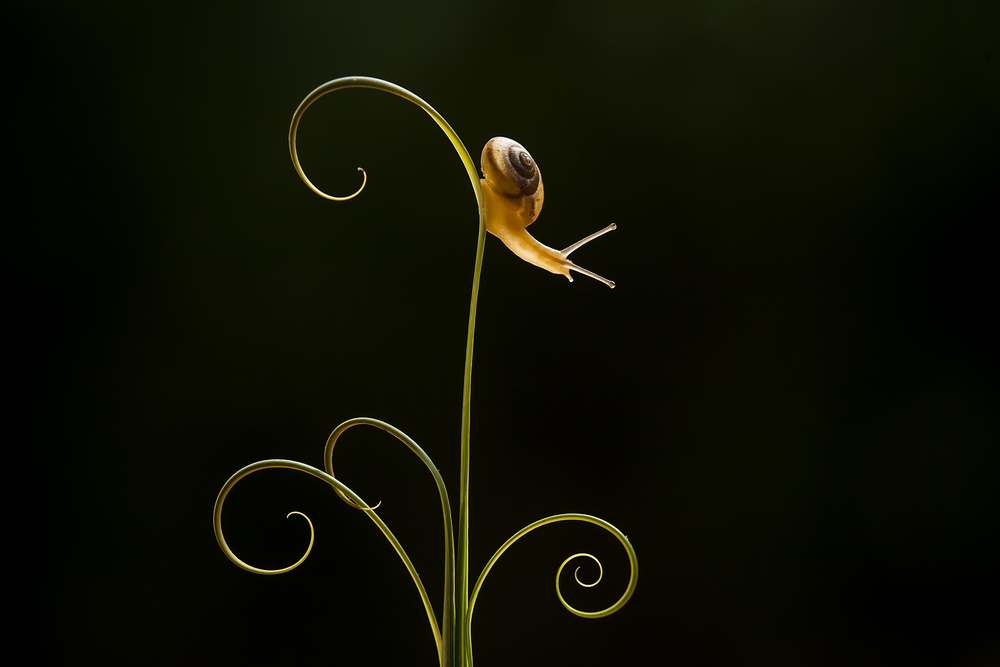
512	199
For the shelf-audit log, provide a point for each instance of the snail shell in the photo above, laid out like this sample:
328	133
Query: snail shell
510	171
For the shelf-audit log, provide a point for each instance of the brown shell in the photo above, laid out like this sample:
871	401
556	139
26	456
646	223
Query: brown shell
510	171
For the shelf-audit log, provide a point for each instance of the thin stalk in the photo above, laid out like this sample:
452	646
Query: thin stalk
454	624
462	601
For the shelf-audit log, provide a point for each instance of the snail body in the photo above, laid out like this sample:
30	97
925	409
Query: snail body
513	195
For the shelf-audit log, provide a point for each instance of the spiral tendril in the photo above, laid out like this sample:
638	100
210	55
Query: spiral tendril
385	86
576	572
265	465
586	518
351	497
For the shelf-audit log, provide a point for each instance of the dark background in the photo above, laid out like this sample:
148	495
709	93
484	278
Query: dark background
789	404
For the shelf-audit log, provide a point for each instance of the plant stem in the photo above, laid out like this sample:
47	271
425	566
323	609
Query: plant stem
462	593
455	626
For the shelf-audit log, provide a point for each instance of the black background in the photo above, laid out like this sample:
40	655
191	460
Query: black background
789	403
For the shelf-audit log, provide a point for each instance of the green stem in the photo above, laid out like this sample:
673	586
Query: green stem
463	640
454	622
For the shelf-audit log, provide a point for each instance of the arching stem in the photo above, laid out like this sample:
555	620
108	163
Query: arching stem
454	625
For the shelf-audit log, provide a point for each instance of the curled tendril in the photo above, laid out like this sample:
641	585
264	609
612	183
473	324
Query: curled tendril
350	497
576	572
385	86
266	465
633	561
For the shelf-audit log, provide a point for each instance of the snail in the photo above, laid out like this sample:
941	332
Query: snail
512	199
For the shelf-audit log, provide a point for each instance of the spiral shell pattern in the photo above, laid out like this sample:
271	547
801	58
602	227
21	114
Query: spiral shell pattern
510	170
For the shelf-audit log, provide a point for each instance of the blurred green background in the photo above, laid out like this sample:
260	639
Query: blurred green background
789	403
